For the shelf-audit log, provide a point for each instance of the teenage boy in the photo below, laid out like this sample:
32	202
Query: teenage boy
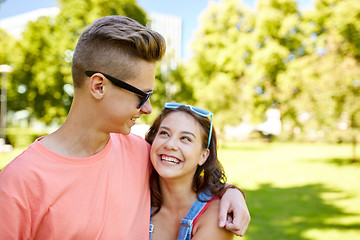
89	179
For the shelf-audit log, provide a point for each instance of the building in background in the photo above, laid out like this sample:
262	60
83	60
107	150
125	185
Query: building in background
171	28
15	25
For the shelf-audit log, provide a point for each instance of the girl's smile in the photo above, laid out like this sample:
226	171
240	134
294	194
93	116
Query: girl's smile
177	150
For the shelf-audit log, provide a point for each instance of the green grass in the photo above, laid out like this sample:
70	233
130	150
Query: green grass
6	157
294	191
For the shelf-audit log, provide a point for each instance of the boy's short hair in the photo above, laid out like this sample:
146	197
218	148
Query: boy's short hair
112	44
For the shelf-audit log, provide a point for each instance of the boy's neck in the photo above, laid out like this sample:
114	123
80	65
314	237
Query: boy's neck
77	137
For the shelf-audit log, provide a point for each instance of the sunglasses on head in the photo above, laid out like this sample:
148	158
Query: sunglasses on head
144	96
198	111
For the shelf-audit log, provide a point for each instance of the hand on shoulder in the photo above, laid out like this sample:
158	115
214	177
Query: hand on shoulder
207	226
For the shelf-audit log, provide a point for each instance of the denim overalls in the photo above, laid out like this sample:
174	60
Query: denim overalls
187	222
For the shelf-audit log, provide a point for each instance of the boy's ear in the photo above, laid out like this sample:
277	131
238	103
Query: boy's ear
97	86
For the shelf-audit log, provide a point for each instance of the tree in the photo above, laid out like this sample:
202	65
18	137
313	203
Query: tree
304	63
325	84
277	39
8	55
7	44
43	70
221	56
238	54
37	86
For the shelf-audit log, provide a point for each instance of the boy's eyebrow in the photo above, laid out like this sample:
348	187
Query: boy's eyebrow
184	132
146	90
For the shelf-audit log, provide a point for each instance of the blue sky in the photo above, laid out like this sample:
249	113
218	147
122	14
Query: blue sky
188	10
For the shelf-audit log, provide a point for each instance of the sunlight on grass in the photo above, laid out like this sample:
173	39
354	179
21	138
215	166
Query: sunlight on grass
296	191
322	234
6	157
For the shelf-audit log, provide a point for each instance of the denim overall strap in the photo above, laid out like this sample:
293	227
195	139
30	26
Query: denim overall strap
187	222
151	225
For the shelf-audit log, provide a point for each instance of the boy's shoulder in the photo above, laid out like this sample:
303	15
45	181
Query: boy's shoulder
21	161
132	142
130	138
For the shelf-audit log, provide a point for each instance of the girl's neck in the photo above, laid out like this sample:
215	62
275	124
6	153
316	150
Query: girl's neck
176	195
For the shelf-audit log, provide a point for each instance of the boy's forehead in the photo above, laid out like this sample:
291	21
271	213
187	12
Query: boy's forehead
145	75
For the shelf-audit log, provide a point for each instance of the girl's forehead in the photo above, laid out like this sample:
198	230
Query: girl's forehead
178	119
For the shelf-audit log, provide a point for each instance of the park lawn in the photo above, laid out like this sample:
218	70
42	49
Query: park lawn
6	157
296	191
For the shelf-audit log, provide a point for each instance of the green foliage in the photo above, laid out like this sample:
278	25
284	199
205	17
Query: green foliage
43	68
221	45
9	54
39	70
245	61
241	52
7	43
306	64
325	84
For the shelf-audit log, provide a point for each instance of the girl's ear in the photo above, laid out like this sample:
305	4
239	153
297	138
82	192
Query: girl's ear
97	86
204	155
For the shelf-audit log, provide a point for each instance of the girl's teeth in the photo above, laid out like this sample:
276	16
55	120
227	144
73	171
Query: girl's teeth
170	159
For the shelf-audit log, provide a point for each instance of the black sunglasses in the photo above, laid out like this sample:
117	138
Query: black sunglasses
144	96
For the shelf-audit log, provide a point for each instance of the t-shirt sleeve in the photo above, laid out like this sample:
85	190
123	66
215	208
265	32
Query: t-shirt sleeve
139	145
14	221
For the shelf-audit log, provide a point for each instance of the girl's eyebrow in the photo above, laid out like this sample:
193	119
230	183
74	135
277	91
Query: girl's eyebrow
184	132
190	133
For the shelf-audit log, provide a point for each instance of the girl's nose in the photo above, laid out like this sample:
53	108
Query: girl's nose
171	144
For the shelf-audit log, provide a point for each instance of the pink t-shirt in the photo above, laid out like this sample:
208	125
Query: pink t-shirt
44	195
